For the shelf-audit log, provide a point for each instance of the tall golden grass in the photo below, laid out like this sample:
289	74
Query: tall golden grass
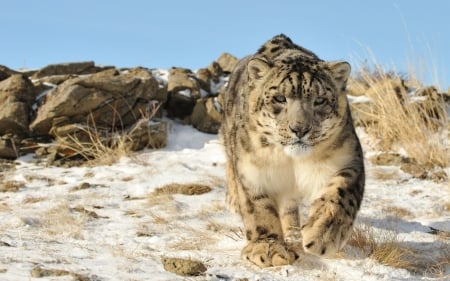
418	125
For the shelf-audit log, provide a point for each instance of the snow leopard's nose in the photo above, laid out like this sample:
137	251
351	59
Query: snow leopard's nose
300	131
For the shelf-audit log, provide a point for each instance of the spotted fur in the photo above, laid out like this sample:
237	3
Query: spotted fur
289	137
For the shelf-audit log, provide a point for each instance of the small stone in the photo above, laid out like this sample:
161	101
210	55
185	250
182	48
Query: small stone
184	267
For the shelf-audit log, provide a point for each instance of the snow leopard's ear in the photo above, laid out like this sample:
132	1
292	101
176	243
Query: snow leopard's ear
340	70
257	68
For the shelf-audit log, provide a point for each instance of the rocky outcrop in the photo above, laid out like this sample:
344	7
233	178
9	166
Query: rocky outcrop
16	98
81	102
108	100
190	94
76	68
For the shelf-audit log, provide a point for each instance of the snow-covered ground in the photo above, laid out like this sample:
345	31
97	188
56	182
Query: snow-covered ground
104	223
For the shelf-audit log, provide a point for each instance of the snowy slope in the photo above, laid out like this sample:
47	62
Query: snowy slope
104	223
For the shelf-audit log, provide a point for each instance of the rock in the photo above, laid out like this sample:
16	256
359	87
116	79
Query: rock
68	68
184	267
183	90
54	80
389	159
215	69
410	166
16	98
433	104
227	62
147	134
107	100
5	72
204	78
9	148
387	87
207	115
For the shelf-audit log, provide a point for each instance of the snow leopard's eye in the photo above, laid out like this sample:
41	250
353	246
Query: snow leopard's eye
279	98
320	101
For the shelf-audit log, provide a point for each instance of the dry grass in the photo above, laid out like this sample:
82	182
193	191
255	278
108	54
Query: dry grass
440	266
158	199
63	220
185	189
382	174
397	211
384	247
104	145
95	146
32	200
398	122
11	186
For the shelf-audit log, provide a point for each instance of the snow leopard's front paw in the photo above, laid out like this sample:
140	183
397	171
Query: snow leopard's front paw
267	253
327	229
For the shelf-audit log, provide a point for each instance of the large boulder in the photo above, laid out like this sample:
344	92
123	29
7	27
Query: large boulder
108	100
16	97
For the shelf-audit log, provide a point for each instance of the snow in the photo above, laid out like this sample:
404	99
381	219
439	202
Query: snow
162	76
131	232
216	87
185	92
358	99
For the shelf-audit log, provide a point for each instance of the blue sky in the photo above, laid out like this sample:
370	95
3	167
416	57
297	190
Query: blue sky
191	34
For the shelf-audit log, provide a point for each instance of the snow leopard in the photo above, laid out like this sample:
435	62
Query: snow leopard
289	141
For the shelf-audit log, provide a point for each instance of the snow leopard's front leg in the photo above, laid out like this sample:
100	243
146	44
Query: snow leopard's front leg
263	230
331	216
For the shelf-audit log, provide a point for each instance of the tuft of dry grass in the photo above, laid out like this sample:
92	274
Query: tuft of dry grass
39	272
11	186
387	249
398	121
105	145
185	189
397	211
384	174
384	247
439	268
94	146
63	220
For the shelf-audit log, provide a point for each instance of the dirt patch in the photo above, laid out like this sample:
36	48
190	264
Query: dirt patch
184	267
39	272
185	189
11	186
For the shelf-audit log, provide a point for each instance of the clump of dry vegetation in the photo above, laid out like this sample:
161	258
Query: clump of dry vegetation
185	189
107	145
383	247
402	114
11	186
63	220
386	248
